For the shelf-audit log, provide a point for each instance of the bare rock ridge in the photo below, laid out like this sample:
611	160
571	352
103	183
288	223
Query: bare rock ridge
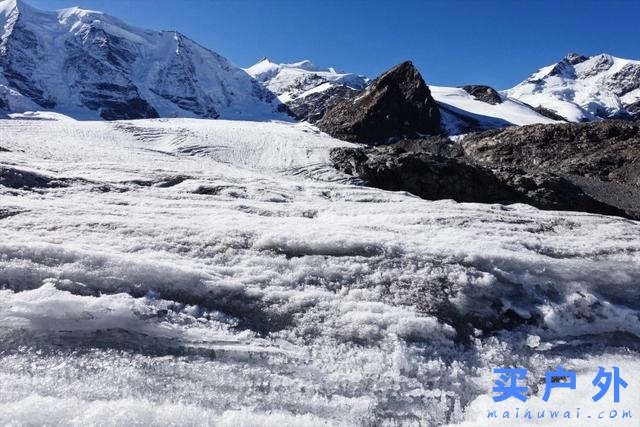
484	93
397	104
588	167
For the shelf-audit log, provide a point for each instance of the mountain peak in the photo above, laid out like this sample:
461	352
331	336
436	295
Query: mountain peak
581	88
396	104
96	71
8	6
575	58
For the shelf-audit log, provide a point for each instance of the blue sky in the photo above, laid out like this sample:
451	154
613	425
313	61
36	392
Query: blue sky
452	42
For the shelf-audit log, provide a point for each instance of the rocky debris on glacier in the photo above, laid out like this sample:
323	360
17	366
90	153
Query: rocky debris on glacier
483	93
397	104
601	158
591	167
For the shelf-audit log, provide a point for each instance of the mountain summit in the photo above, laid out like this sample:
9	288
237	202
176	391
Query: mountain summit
87	64
307	90
581	88
396	104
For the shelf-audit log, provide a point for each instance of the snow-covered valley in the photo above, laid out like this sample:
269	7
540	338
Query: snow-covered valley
188	272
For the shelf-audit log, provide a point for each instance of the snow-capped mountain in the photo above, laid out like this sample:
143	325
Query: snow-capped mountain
87	64
581	88
306	89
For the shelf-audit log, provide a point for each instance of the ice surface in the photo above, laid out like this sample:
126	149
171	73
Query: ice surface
216	272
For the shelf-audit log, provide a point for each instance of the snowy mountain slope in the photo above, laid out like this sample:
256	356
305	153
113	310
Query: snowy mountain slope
90	65
461	112
583	88
144	281
300	79
306	89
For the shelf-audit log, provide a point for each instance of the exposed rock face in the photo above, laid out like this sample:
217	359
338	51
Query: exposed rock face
590	167
396	104
608	150
549	113
423	174
634	110
601	158
314	106
575	58
484	93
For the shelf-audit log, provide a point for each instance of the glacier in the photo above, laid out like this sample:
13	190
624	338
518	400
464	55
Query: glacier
190	272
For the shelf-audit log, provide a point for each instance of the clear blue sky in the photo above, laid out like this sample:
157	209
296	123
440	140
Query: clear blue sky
452	42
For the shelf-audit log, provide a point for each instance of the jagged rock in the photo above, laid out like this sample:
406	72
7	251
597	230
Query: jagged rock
396	104
575	58
549	113
314	106
423	174
16	178
483	93
600	158
541	165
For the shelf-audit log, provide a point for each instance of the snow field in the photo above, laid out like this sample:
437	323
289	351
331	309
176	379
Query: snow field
161	283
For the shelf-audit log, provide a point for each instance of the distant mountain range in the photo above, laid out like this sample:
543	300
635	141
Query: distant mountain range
89	65
581	88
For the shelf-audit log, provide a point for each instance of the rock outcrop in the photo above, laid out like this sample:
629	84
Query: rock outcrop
588	167
424	174
397	104
313	107
601	158
483	93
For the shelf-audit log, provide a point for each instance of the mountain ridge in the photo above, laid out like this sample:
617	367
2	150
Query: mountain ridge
87	64
581	88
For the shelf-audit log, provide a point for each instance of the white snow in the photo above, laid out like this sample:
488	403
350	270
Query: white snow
300	79
181	271
509	112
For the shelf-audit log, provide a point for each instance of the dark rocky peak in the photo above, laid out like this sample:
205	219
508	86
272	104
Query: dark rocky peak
575	58
397	104
564	68
484	93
